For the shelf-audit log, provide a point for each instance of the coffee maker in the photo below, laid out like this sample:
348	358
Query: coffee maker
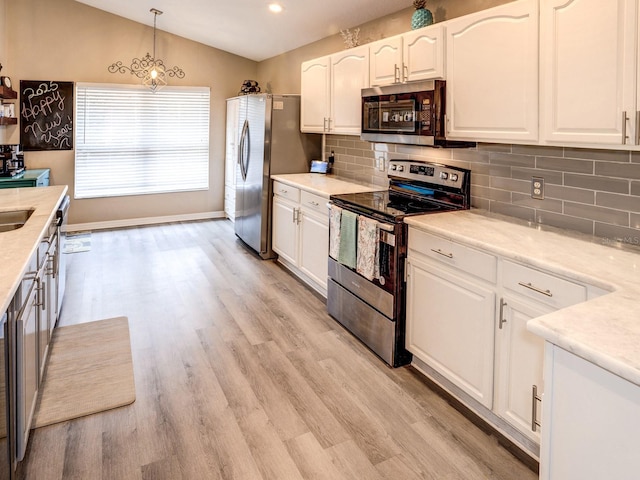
11	160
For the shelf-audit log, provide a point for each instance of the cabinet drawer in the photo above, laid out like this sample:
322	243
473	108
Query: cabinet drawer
314	202
541	286
286	191
469	260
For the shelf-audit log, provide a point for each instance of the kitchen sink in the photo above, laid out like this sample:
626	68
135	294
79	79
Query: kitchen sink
13	219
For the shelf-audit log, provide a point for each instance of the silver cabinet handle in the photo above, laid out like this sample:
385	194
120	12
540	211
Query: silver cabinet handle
440	252
638	127
624	128
293	214
535	423
502	320
283	191
396	73
315	204
405	71
536	289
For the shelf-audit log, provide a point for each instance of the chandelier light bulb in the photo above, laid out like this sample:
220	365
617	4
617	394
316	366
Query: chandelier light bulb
154	73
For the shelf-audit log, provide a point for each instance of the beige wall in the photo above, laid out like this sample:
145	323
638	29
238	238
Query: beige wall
282	73
65	40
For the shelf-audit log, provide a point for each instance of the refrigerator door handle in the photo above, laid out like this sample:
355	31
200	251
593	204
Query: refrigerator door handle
243	140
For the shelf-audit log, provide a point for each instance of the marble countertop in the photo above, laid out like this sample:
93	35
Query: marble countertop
604	330
324	185
17	246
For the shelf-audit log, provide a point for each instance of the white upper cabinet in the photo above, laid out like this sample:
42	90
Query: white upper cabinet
349	75
385	61
492	74
587	65
315	91
330	92
416	55
423	54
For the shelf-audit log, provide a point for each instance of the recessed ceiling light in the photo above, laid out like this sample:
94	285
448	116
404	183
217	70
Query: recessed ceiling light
275	7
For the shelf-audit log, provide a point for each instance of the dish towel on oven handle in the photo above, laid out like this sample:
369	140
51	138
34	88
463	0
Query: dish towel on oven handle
348	238
368	262
335	214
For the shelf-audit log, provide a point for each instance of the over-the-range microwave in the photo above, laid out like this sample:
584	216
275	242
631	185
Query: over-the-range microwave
410	113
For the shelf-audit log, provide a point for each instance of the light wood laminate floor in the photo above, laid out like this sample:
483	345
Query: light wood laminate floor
241	374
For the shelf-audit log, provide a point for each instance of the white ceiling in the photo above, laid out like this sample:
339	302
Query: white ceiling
247	27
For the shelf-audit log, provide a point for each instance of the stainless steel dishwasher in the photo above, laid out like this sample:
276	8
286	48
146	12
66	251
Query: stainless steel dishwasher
60	263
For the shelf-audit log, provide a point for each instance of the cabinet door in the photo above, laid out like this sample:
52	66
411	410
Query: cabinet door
520	357
591	425
27	369
314	246
423	55
587	70
349	75
492	74
450	327
314	95
284	236
385	57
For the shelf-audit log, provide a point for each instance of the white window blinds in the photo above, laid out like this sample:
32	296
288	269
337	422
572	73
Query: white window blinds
130	141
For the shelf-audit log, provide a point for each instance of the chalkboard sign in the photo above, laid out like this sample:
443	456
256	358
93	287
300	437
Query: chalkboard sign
46	115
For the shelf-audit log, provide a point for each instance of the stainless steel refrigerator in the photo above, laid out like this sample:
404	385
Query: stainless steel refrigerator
269	142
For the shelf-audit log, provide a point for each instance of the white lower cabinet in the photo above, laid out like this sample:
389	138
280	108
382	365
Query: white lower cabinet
467	314
300	233
314	242
450	326
285	229
591	421
519	360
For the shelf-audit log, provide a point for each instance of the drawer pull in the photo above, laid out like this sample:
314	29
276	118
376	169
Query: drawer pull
440	252
534	411
284	191
536	289
315	204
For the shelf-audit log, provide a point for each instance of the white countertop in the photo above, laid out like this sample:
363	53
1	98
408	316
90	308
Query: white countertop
604	330
324	185
17	246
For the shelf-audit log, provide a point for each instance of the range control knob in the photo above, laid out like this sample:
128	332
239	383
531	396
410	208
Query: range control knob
401	168
453	177
392	167
444	175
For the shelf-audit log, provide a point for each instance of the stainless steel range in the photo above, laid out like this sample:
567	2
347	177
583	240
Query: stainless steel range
368	248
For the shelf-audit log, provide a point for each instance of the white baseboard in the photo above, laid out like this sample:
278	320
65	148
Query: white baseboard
137	222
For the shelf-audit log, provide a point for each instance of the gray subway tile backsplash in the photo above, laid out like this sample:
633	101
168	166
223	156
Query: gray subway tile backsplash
622	170
586	190
565	221
601	214
565	164
597	183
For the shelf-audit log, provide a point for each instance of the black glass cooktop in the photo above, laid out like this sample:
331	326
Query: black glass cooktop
389	204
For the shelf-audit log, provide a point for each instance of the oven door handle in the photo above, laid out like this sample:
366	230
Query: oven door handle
385	227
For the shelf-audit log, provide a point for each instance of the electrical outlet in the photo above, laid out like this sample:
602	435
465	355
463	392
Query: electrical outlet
537	188
380	163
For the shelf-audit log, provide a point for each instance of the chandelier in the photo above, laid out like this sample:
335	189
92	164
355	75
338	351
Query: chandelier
150	69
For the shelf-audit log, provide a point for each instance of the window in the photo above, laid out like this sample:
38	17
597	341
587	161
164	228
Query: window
130	141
